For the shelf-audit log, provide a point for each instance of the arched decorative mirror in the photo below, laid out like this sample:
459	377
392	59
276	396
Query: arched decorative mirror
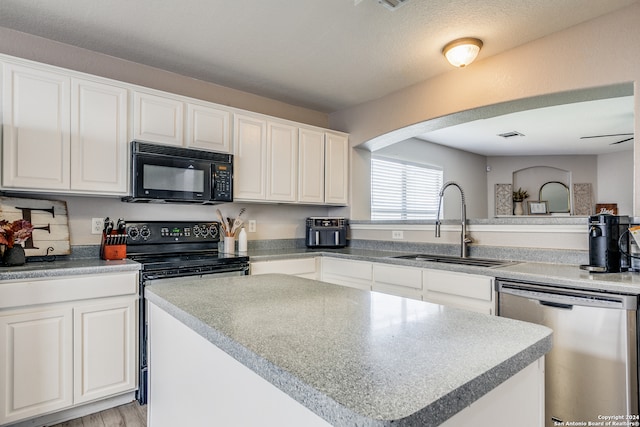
556	194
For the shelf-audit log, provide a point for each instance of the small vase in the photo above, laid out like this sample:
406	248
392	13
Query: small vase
14	256
518	209
229	244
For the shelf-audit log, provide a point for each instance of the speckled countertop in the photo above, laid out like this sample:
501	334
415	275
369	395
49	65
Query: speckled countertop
569	275
347	356
34	270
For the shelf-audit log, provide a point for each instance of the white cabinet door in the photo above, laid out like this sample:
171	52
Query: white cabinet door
311	166
36	128
396	280
99	154
336	181
104	348
250	158
282	164
461	290
208	128
36	362
157	119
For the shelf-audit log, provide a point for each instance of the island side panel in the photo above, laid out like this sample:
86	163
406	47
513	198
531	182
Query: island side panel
519	401
193	382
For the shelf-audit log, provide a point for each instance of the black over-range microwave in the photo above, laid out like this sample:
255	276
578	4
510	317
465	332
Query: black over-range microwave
164	173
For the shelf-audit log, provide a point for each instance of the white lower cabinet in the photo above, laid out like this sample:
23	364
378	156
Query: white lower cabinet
461	290
65	342
396	280
355	274
36	362
301	267
104	349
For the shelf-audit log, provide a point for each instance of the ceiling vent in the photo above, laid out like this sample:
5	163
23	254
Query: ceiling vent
510	134
392	4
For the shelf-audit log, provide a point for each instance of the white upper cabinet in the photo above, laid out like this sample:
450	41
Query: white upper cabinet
36	128
336	172
250	158
62	133
265	160
282	163
311	171
208	128
99	143
324	167
157	118
160	117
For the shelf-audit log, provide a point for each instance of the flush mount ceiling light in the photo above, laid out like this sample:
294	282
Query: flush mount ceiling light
462	52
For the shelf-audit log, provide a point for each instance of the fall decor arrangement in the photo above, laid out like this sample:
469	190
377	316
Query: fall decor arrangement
12	236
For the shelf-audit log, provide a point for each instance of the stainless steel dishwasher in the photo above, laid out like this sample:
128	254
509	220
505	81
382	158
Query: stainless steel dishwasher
592	370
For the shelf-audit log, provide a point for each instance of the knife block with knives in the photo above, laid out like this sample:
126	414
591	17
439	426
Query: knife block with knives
114	240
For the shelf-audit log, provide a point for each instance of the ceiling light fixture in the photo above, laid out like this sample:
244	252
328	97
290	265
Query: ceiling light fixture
462	52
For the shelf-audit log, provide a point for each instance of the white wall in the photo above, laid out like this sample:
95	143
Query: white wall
615	181
273	221
600	52
467	169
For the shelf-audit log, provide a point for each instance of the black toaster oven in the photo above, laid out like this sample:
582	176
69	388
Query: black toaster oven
324	232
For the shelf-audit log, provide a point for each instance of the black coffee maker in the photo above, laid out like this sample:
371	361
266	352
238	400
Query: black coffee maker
608	244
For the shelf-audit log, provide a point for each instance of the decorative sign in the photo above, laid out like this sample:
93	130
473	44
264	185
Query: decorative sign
607	208
49	219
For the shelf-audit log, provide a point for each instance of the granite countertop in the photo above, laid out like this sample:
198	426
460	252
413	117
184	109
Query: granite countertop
41	269
349	355
567	275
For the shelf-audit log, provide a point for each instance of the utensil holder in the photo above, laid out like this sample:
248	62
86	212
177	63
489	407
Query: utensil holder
229	245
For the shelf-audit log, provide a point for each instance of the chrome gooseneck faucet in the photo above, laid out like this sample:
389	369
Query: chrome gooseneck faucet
464	239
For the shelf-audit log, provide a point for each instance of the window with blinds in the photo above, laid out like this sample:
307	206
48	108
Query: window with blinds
403	190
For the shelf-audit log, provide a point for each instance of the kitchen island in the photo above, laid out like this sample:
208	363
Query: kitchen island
289	350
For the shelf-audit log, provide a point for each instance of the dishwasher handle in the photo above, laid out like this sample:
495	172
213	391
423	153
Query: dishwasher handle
564	298
556	305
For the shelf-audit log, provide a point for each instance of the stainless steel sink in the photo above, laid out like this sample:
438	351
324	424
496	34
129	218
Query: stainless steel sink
476	262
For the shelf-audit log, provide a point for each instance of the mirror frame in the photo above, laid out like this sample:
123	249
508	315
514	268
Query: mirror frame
550	205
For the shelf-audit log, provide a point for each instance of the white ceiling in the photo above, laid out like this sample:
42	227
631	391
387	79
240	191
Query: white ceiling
555	130
321	54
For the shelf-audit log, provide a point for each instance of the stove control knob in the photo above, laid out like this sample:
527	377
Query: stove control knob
205	230
213	231
145	233
133	233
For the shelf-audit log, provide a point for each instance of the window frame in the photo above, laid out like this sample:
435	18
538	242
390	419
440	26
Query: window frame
431	191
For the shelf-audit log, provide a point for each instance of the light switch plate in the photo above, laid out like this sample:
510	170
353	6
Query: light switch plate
397	234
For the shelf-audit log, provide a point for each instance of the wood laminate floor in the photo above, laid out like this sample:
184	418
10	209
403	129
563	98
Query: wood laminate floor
129	415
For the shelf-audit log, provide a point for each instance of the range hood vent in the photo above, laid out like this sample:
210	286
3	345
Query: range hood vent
510	134
392	4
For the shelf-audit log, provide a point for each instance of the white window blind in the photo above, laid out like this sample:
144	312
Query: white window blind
403	190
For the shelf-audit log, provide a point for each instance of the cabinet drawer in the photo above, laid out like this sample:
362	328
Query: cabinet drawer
399	276
466	285
44	291
401	281
355	274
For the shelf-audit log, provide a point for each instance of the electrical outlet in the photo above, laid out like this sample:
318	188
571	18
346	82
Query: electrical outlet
97	225
252	226
397	234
